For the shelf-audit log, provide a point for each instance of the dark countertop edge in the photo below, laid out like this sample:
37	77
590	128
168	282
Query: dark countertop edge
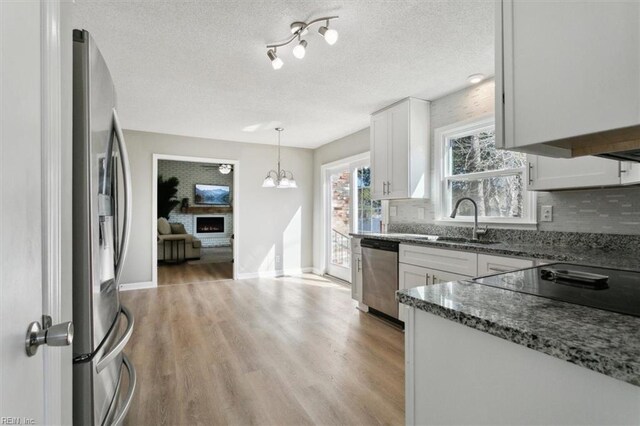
551	347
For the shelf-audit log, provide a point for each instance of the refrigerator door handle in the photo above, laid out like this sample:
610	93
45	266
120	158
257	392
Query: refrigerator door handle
126	404
118	347
126	172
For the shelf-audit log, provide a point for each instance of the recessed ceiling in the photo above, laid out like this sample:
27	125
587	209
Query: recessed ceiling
201	69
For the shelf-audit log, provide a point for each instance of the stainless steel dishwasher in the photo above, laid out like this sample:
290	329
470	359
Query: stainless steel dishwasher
380	275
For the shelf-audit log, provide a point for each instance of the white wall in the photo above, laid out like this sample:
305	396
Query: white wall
355	143
273	223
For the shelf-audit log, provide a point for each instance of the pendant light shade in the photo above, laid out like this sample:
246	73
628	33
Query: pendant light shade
280	178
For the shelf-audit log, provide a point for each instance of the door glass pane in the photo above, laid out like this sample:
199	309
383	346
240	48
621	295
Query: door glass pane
340	186
369	211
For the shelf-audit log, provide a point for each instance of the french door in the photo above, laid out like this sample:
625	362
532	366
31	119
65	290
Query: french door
349	208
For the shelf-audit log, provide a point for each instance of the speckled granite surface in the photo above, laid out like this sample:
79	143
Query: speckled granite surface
623	256
525	236
601	341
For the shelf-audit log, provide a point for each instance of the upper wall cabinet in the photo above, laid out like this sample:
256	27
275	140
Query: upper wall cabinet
549	174
567	76
399	150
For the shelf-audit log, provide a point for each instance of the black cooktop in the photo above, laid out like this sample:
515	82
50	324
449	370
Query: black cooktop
602	288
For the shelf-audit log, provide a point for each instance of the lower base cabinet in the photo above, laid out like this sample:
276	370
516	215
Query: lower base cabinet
411	276
458	375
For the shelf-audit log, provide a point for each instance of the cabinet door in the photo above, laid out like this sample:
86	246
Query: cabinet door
356	277
569	68
629	173
410	276
460	262
379	155
438	277
547	173
398	168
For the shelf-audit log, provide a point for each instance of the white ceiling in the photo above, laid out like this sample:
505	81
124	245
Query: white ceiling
200	68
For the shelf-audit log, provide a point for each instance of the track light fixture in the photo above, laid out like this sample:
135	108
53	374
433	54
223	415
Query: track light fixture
299	29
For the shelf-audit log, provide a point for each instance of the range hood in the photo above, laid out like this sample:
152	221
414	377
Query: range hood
621	144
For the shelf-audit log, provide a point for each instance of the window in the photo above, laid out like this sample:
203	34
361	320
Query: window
471	166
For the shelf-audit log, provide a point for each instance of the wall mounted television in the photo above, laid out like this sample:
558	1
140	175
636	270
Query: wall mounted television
213	195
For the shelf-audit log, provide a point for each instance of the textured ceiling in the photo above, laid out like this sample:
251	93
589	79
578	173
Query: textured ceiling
200	68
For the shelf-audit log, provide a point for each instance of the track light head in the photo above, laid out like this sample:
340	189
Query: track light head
330	35
276	62
300	50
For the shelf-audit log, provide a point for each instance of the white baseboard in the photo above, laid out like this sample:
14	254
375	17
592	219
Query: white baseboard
272	274
137	286
317	271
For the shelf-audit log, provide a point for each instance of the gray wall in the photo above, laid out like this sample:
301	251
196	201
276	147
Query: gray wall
353	144
614	211
189	174
273	223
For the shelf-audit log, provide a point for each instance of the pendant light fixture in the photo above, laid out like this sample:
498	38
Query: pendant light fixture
281	179
299	29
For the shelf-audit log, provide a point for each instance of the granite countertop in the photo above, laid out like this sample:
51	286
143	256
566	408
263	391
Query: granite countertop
613	258
601	341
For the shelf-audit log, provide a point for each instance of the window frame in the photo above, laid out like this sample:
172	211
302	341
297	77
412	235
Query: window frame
443	202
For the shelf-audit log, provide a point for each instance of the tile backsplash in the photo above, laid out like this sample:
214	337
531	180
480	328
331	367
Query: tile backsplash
603	211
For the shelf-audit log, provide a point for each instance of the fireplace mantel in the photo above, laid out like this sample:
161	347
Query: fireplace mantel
208	210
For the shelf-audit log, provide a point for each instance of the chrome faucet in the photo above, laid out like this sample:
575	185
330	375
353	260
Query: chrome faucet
477	230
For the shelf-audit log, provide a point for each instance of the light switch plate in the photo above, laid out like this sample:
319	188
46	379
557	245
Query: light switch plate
393	211
546	213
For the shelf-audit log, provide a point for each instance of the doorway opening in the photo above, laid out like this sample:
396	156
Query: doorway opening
195	220
348	208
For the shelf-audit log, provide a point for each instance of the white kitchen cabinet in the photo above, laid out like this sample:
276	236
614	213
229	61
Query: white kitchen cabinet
488	265
356	277
464	263
410	276
565	69
399	150
629	173
546	173
356	273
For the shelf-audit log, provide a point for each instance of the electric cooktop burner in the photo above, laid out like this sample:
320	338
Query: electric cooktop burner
602	288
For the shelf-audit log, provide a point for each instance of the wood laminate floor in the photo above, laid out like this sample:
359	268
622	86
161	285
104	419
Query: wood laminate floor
186	273
281	351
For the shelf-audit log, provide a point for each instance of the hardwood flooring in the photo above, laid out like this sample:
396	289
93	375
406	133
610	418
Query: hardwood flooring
186	273
281	351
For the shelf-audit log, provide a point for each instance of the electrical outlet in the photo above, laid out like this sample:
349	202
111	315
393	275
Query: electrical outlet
278	260
547	214
393	211
420	212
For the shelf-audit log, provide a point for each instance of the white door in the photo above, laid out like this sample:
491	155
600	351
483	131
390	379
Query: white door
349	208
22	394
547	173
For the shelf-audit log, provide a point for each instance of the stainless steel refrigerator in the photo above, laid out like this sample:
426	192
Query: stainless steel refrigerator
103	377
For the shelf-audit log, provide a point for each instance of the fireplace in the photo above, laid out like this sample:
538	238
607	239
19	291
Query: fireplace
210	225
